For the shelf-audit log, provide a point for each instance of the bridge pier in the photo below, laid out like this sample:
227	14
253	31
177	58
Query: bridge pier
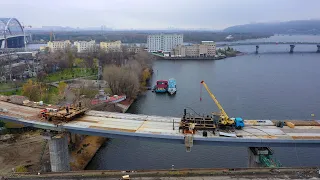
59	152
292	48
261	157
257	49
318	46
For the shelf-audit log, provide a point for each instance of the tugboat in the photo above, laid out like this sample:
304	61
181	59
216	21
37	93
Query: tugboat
172	88
161	86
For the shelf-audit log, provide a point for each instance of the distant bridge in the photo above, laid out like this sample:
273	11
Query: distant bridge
257	44
11	33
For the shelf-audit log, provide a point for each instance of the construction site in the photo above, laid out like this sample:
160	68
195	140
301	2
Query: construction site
61	123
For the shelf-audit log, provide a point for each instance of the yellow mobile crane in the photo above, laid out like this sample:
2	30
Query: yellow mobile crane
224	119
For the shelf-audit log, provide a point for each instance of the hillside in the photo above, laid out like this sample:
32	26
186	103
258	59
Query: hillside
290	27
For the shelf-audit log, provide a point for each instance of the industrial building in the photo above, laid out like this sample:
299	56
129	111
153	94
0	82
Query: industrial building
163	42
83	46
111	46
205	49
58	45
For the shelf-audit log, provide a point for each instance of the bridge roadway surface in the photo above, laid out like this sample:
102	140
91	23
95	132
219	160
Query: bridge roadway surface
157	128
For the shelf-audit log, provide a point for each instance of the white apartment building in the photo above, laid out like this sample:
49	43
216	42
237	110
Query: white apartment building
205	49
111	46
163	42
58	45
83	46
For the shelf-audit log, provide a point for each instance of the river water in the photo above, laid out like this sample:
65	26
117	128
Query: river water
270	85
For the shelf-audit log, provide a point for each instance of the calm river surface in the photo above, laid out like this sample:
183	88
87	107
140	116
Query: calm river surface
270	85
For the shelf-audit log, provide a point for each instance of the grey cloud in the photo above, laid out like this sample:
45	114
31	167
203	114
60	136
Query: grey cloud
152	14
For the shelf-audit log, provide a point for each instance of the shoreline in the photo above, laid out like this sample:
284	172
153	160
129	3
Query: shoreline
90	145
237	53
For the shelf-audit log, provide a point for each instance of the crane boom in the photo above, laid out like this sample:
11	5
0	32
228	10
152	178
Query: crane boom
215	100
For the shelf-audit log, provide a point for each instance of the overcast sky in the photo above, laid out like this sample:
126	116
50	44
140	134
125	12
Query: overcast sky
157	14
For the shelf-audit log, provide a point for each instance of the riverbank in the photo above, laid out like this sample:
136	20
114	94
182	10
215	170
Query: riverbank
194	58
222	54
190	174
88	147
85	151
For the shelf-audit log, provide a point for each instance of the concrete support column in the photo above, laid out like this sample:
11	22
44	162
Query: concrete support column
253	159
318	46
59	152
292	48
257	49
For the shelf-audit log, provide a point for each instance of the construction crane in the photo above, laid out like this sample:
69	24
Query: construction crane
224	119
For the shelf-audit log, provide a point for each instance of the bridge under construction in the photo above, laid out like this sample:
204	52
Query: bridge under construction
257	135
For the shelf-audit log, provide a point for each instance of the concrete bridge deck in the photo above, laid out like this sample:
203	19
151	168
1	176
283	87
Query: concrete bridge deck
158	128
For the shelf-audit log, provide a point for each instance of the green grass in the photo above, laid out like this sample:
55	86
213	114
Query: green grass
69	74
51	96
14	92
107	90
9	85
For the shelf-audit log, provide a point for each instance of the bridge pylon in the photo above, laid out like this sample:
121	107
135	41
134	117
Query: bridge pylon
58	149
262	157
292	48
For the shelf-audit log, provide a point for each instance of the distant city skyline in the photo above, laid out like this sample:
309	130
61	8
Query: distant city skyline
164	14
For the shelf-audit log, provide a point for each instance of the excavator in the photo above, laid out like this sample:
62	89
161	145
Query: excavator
224	120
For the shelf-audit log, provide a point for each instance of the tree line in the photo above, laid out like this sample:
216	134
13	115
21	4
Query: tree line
125	72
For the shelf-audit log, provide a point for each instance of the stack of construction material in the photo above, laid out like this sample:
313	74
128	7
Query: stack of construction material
4	98
293	123
17	99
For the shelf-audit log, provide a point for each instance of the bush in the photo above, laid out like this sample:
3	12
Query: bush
21	169
2	124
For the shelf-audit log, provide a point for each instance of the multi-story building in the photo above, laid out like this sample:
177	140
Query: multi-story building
58	45
83	46
134	48
111	46
164	42
205	49
211	47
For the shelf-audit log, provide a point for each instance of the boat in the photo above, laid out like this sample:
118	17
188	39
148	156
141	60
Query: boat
172	86
161	86
102	97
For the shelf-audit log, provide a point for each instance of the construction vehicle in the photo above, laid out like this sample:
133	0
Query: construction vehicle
223	118
62	114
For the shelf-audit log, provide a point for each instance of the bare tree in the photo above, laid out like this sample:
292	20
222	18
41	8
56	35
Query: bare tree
122	80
